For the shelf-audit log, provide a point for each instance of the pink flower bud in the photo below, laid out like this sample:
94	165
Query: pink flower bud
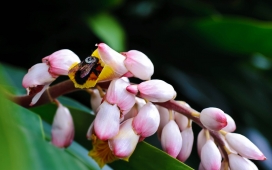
112	58
96	100
147	121
244	146
164	119
171	139
37	80
231	126
156	91
106	122
124	143
187	144
117	94
62	131
213	118
210	156
238	162
139	64
181	120
37	75
61	61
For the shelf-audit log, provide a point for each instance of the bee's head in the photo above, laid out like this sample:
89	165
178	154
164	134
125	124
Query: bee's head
91	59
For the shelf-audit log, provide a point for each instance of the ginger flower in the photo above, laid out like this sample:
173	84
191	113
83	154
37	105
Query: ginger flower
103	65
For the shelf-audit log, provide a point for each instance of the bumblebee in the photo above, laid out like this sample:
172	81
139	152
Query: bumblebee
85	73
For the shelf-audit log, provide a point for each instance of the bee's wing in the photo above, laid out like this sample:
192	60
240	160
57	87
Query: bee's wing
85	69
74	69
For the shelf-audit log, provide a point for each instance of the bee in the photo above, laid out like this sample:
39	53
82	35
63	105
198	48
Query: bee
86	71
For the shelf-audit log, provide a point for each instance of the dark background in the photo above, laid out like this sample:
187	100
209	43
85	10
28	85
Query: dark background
214	53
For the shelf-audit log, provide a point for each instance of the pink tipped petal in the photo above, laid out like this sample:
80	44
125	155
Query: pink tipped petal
128	74
181	120
164	119
60	61
96	100
187	144
210	156
147	121
37	75
244	146
62	128
231	126
139	64
133	89
124	143
213	118
112	58
156	91
238	162
117	94
106	122
171	139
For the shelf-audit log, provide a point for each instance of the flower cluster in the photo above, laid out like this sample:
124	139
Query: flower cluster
127	113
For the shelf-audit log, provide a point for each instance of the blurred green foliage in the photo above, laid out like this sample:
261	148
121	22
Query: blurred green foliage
215	53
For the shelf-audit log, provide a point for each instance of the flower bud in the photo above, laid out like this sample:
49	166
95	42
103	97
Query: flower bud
210	156
213	118
106	122
156	91
171	139
139	64
244	146
146	122
187	144
62	131
37	80
238	162
112	58
117	94
124	143
61	61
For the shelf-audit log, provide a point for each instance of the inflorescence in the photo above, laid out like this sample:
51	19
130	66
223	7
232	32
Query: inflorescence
126	113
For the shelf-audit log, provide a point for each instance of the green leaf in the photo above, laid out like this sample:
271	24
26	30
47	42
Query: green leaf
237	35
108	29
23	145
147	156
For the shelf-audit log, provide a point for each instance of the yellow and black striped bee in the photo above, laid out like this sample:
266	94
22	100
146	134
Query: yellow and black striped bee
86	72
